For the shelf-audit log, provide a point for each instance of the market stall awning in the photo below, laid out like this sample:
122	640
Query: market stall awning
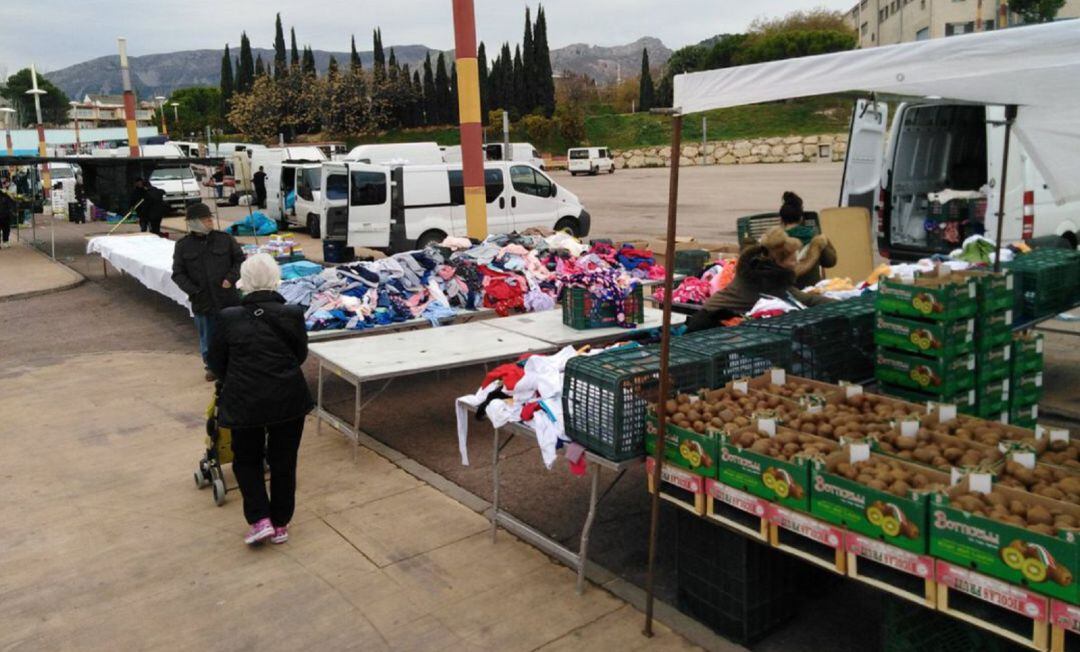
1036	68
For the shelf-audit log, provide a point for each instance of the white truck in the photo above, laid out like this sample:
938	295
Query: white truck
427	153
289	170
932	146
589	160
404	207
519	153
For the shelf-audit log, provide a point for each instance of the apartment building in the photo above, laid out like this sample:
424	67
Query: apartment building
886	22
108	111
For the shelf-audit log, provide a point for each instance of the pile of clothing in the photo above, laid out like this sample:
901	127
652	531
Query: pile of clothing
505	273
697	290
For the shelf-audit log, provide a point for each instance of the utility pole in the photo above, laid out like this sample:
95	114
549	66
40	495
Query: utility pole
472	153
704	137
161	108
7	129
129	99
46	181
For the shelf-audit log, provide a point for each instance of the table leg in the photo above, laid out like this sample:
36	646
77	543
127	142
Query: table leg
356	424
319	402
583	553
495	484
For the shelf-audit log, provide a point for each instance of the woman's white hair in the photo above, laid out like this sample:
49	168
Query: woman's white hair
260	272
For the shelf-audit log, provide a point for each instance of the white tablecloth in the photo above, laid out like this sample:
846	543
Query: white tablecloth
148	258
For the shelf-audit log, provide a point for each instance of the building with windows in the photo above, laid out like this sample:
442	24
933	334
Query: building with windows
108	111
886	22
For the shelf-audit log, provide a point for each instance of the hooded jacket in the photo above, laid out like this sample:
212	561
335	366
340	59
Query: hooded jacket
756	274
257	350
200	263
818	252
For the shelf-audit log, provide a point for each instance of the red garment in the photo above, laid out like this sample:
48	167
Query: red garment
509	373
529	410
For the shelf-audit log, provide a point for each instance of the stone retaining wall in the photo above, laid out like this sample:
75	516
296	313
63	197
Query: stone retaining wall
792	149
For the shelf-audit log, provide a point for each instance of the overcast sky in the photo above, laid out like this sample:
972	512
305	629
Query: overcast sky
57	33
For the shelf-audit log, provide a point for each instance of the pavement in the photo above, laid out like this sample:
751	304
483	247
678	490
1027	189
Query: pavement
26	271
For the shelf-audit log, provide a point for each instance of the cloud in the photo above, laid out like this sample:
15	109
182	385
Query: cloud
58	33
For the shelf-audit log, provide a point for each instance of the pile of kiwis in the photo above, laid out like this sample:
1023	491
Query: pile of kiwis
786	445
1016	509
723	408
793	389
1042	480
890	476
941	453
1059	453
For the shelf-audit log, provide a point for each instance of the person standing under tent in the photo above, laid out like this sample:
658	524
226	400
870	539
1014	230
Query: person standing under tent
259	179
257	352
152	209
206	266
7	215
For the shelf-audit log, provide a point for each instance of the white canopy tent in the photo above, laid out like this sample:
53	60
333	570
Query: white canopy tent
1036	68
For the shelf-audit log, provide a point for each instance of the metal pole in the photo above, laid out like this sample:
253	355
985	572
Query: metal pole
129	99
161	108
1010	116
665	350
704	136
507	156
470	118
46	180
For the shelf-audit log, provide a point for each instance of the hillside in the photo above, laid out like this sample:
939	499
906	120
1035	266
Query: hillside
160	74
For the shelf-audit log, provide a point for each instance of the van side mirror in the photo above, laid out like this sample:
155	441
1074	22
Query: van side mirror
554	190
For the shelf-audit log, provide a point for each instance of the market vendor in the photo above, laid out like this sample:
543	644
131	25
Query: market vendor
206	266
764	270
815	250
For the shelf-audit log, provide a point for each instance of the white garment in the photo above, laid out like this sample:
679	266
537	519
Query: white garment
462	414
543	376
548	432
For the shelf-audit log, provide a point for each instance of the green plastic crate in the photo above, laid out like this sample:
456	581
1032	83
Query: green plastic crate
819	342
582	311
736	353
908	627
606	396
691	262
1049	281
859	313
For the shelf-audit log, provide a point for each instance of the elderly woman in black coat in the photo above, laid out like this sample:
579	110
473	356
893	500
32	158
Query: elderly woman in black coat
257	351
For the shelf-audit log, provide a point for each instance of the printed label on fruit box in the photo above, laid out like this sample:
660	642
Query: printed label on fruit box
677	477
883	553
738	499
1008	596
807	527
1065	616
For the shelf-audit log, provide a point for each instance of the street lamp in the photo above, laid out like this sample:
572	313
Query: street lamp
175	112
161	107
37	93
7	111
75	116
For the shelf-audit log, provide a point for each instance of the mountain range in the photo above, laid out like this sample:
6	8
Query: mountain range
161	74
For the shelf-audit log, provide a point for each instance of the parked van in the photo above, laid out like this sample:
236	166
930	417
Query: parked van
519	152
589	160
188	148
397	154
177	180
409	206
289	170
936	145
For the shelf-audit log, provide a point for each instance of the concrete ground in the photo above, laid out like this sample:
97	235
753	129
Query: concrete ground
26	271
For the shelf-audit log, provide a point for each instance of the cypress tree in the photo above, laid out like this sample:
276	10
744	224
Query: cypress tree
245	74
431	99
442	90
379	64
354	57
646	90
392	69
260	67
545	85
226	81
506	78
307	65
518	101
332	68
482	73
454	117
528	100
279	50
294	58
418	99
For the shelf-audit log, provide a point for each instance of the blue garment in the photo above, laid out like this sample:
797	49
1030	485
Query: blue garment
290	200
299	269
257	223
204	325
436	311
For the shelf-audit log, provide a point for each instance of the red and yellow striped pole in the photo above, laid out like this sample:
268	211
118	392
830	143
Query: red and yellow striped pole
472	157
129	99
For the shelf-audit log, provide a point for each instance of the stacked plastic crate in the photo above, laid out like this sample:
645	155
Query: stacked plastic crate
996	298
1049	281
1026	379
925	334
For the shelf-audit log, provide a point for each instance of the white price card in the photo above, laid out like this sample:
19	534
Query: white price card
852	389
1024	458
779	376
767	426
946	412
858	452
981	483
1059	434
1038	345
741	386
1040	431
909	427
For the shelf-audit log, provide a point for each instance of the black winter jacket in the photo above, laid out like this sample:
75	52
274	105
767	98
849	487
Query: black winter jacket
256	353
201	263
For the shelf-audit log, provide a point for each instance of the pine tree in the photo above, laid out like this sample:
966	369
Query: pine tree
245	74
506	78
431	99
442	90
528	99
294	58
518	103
260	67
454	117
646	90
379	64
354	57
545	84
279	50
482	73
226	80
307	65
332	68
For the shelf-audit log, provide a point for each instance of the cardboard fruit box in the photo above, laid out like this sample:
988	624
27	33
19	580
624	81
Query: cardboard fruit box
684	448
1026	388
994	291
993	364
941	299
898	521
782	482
1027	353
943	376
1024	416
965	400
941	339
1045	564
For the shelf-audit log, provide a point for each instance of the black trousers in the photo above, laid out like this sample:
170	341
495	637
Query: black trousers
151	224
279	443
260	197
5	228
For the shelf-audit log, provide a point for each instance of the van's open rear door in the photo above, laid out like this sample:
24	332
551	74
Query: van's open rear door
369	205
865	154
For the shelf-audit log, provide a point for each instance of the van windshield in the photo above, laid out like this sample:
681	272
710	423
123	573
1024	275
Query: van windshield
171	174
579	153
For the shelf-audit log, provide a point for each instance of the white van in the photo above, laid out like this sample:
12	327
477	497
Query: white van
589	160
177	180
932	146
407	207
519	153
397	154
189	148
290	169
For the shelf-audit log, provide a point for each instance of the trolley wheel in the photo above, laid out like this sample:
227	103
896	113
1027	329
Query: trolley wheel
200	480
219	493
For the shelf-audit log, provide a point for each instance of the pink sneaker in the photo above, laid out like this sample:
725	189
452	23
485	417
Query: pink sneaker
259	532
281	534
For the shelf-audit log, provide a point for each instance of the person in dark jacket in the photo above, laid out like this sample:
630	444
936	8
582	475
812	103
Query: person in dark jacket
206	266
764	269
259	179
257	353
152	209
7	215
815	250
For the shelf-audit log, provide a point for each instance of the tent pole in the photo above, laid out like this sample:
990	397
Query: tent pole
665	350
1010	117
